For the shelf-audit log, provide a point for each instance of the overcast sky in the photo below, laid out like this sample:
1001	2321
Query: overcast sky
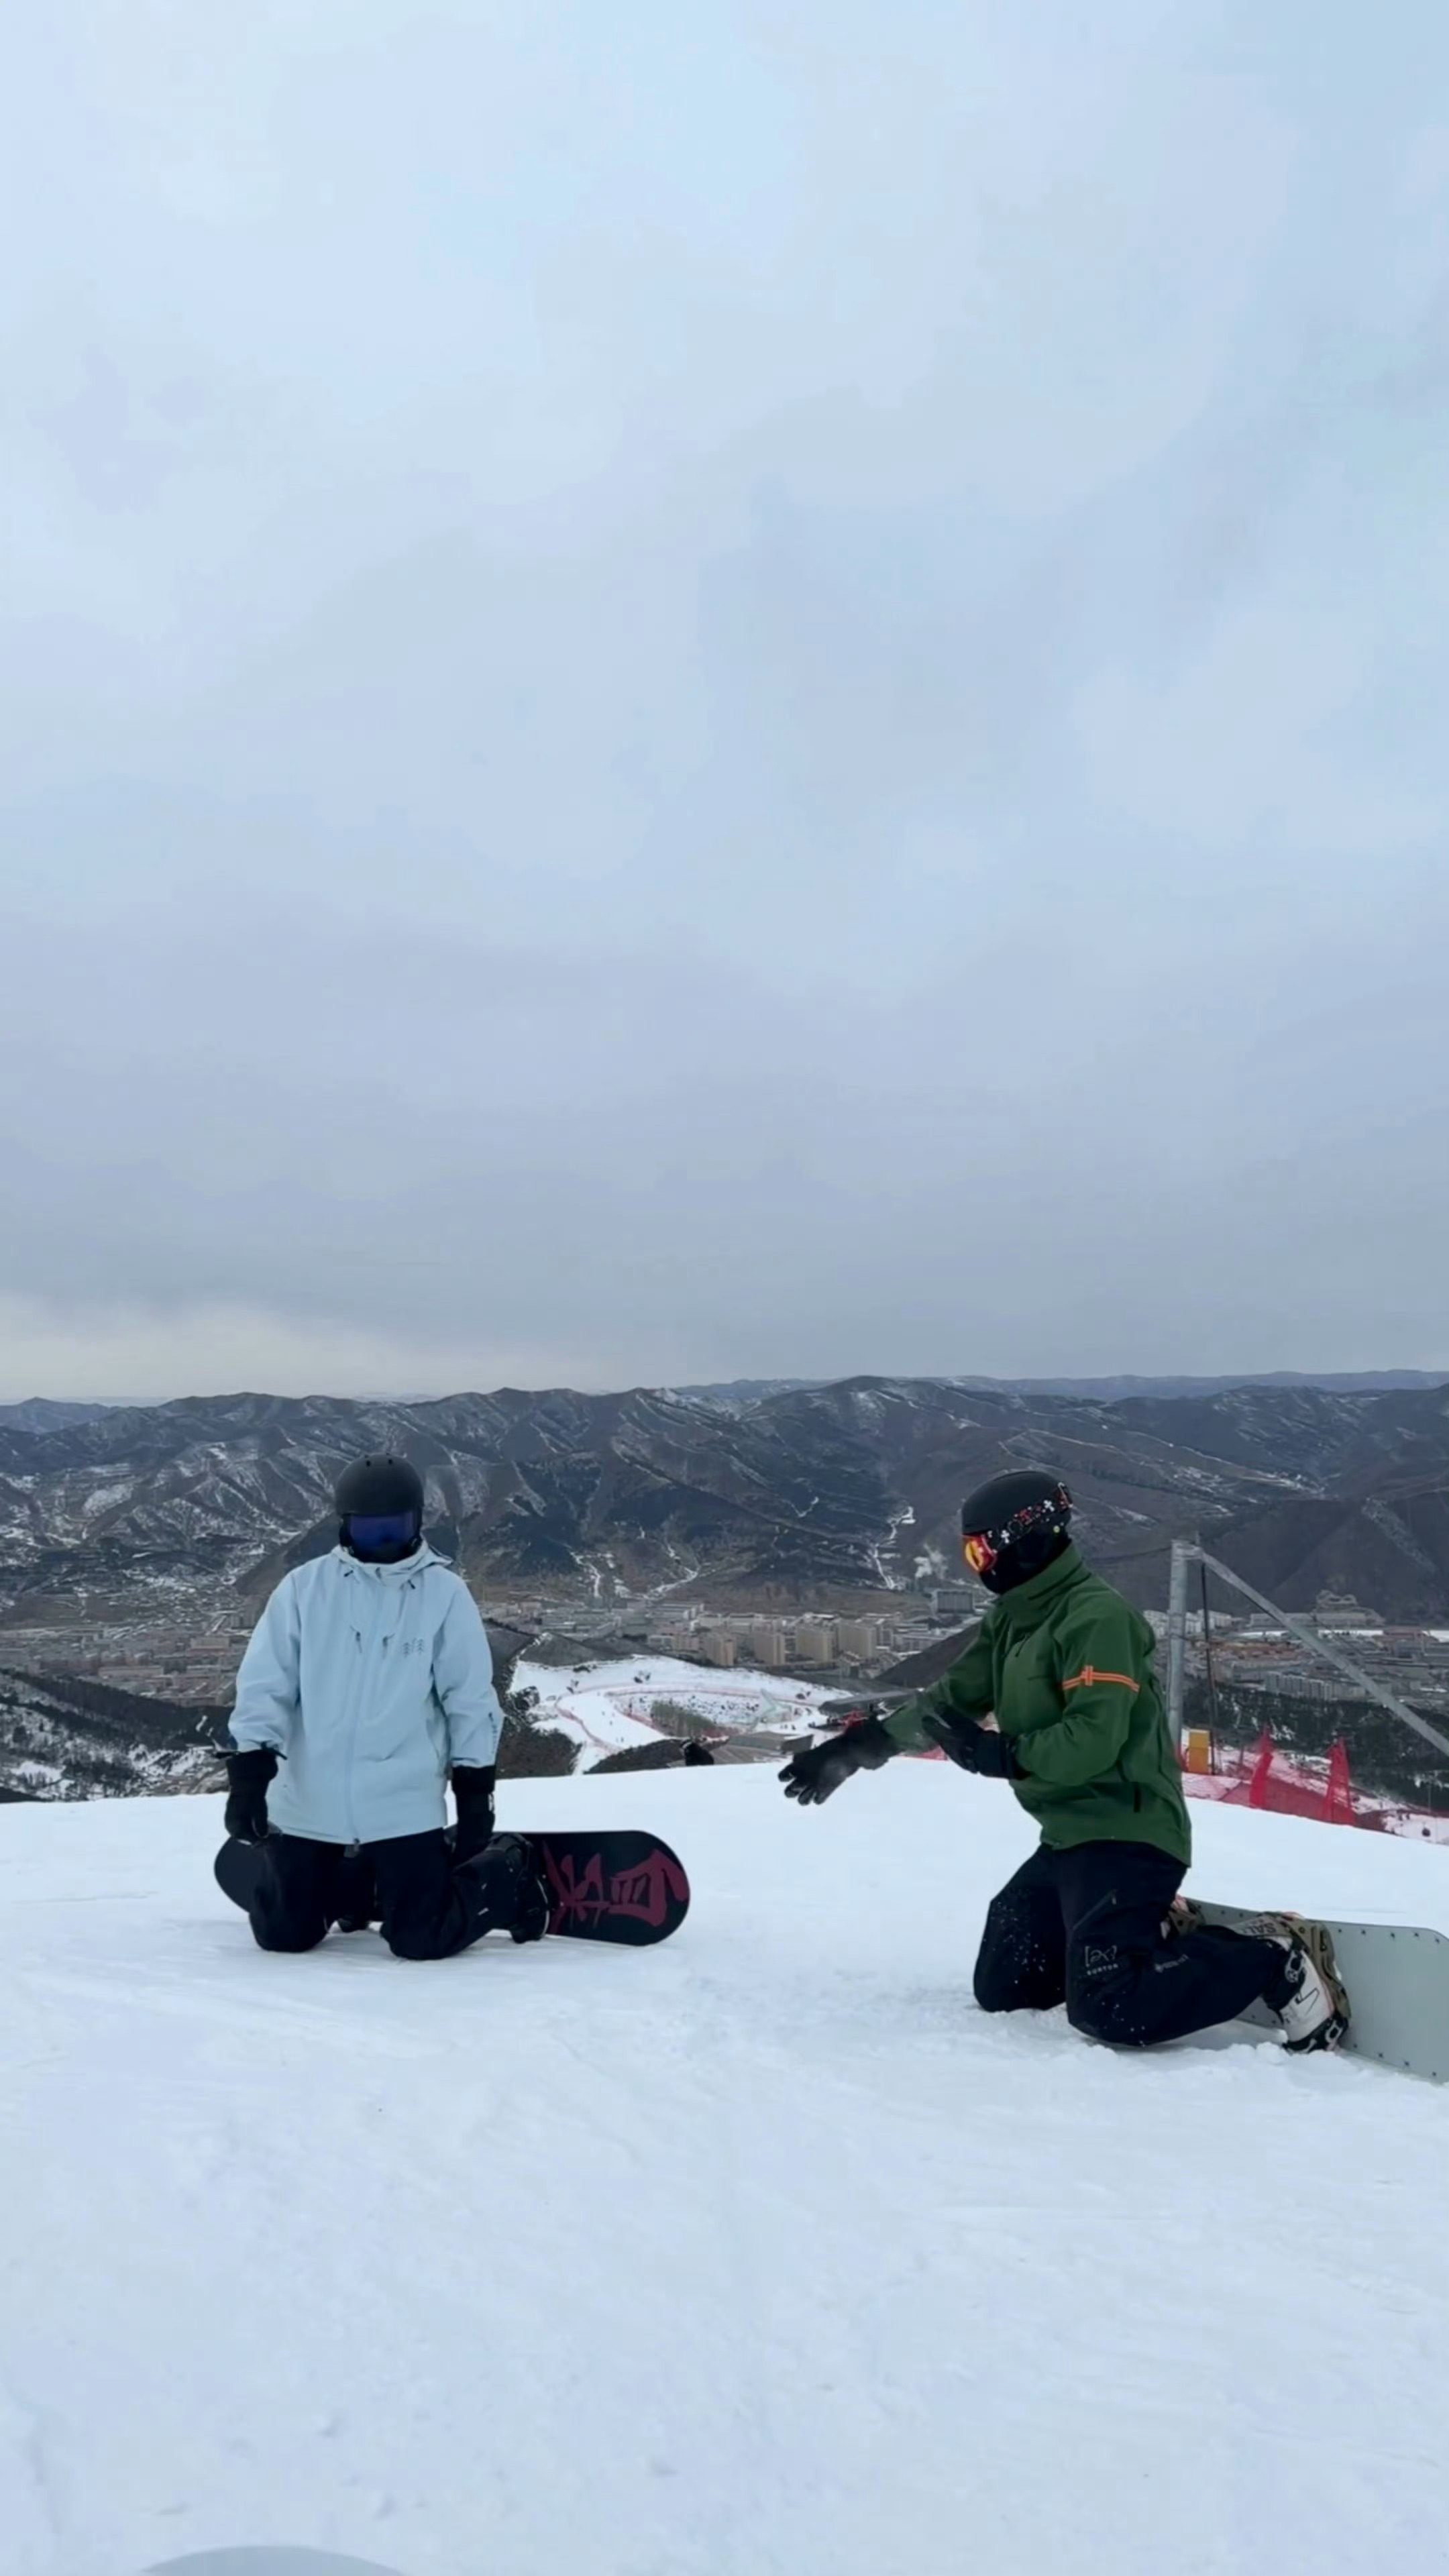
718	690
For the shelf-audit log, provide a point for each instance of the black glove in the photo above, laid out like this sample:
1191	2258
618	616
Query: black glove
473	1789
246	1809
976	1748
815	1773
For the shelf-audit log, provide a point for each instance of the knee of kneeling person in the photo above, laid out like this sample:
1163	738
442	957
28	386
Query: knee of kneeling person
1097	2017
992	1990
285	1938
406	1943
1007	1965
1101	2001
1108	2014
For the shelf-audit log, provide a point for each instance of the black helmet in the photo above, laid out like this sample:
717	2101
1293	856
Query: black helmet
380	1506
1014	1525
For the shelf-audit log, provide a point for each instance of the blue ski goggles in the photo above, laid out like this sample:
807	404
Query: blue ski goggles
380	1538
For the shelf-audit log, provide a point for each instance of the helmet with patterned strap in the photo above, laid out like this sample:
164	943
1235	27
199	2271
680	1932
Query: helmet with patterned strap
1013	1526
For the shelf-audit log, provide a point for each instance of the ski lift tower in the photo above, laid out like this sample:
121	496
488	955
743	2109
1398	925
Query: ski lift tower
1186	1552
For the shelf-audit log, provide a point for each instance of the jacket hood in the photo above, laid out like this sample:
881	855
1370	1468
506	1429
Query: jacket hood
405	1568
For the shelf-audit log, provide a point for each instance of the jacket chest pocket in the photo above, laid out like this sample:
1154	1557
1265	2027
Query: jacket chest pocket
399	1650
1029	1686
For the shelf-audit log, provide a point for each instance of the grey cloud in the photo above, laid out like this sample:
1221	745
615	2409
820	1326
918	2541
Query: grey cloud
748	699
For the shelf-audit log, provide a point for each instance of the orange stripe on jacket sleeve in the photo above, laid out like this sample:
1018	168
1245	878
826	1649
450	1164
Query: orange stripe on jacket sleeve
1087	1676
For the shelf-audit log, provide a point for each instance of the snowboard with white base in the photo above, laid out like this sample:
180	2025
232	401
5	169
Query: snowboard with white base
1397	1977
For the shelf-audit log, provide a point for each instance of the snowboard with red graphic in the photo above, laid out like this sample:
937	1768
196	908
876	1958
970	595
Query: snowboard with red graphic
628	1887
612	1887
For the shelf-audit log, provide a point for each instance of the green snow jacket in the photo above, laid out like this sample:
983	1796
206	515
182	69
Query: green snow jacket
1066	1665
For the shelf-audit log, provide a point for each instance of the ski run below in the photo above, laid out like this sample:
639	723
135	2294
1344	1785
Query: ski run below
762	2253
604	1708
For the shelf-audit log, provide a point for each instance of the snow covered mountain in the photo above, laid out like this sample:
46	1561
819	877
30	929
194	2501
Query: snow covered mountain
65	1737
759	2254
44	1413
853	1485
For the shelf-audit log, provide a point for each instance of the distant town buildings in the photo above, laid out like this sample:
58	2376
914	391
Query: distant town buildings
961	1601
816	1643
191	1654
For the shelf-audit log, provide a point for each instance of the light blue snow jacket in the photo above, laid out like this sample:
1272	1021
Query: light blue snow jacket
370	1681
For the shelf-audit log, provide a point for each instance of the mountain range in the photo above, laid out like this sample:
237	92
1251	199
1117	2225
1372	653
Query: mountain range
799	1492
44	1412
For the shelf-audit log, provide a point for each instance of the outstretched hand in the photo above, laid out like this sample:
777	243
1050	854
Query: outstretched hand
815	1773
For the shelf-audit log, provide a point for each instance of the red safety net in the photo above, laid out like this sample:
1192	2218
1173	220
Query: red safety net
1261	1776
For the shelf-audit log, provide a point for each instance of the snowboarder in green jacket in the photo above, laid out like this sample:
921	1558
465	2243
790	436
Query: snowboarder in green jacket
1062	1668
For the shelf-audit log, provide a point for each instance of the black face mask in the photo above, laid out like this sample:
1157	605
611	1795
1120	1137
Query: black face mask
381	1538
1024	1557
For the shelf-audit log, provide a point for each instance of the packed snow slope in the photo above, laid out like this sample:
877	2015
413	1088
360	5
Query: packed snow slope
758	2254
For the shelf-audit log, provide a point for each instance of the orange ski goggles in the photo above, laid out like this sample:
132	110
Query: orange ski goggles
979	1553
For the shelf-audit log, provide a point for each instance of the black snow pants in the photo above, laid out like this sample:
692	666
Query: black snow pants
1085	1927
427	1912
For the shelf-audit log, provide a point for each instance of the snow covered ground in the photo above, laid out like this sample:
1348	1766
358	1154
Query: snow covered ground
605	1707
759	2254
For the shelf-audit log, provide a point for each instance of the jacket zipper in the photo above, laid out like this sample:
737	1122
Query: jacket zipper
366	1700
360	1697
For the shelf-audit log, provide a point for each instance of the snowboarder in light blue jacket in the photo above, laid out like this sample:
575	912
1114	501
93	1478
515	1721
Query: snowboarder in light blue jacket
367	1684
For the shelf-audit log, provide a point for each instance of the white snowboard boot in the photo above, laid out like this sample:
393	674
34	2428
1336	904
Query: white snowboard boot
1308	1995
